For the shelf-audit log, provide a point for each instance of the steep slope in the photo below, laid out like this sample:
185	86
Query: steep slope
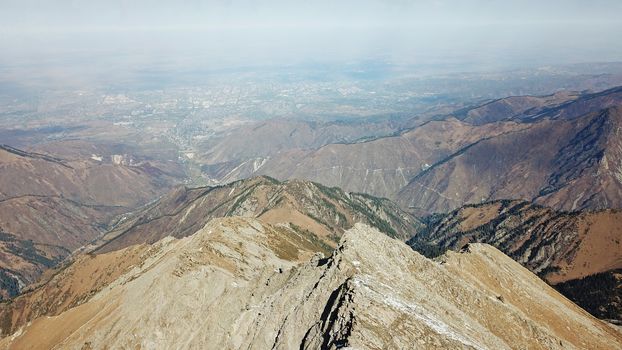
560	247
372	292
383	166
561	105
267	138
565	164
599	294
589	168
70	285
36	233
303	205
514	108
89	181
588	103
50	206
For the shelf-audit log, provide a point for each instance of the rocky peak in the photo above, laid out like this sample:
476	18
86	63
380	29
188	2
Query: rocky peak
240	283
303	205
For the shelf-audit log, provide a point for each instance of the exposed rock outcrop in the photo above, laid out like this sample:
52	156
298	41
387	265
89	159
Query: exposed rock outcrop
558	246
565	164
303	205
238	283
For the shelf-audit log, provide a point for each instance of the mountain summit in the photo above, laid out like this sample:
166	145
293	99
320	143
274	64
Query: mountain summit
239	283
300	205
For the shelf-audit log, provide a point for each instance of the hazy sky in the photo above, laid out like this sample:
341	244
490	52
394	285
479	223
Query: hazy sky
182	14
124	33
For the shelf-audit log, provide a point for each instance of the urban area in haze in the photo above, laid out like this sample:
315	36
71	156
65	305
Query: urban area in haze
271	174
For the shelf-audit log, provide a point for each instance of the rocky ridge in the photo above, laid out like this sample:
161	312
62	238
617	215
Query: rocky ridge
560	247
301	205
564	164
238	284
527	147
560	105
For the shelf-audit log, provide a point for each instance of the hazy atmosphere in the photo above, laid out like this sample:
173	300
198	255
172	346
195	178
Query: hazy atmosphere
317	174
72	40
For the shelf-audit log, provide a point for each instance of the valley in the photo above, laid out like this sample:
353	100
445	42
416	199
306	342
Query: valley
50	207
313	175
289	224
444	164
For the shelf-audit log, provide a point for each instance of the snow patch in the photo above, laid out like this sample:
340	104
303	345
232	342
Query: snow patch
258	163
416	311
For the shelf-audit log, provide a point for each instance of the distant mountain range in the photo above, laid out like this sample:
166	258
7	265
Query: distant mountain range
565	164
50	206
480	156
381	166
561	105
299	205
299	242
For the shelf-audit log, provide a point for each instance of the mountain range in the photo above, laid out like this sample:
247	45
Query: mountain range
51	206
477	154
320	211
564	164
238	282
497	226
560	247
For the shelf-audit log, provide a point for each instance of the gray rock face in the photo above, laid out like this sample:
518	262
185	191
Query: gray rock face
581	248
564	164
241	284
